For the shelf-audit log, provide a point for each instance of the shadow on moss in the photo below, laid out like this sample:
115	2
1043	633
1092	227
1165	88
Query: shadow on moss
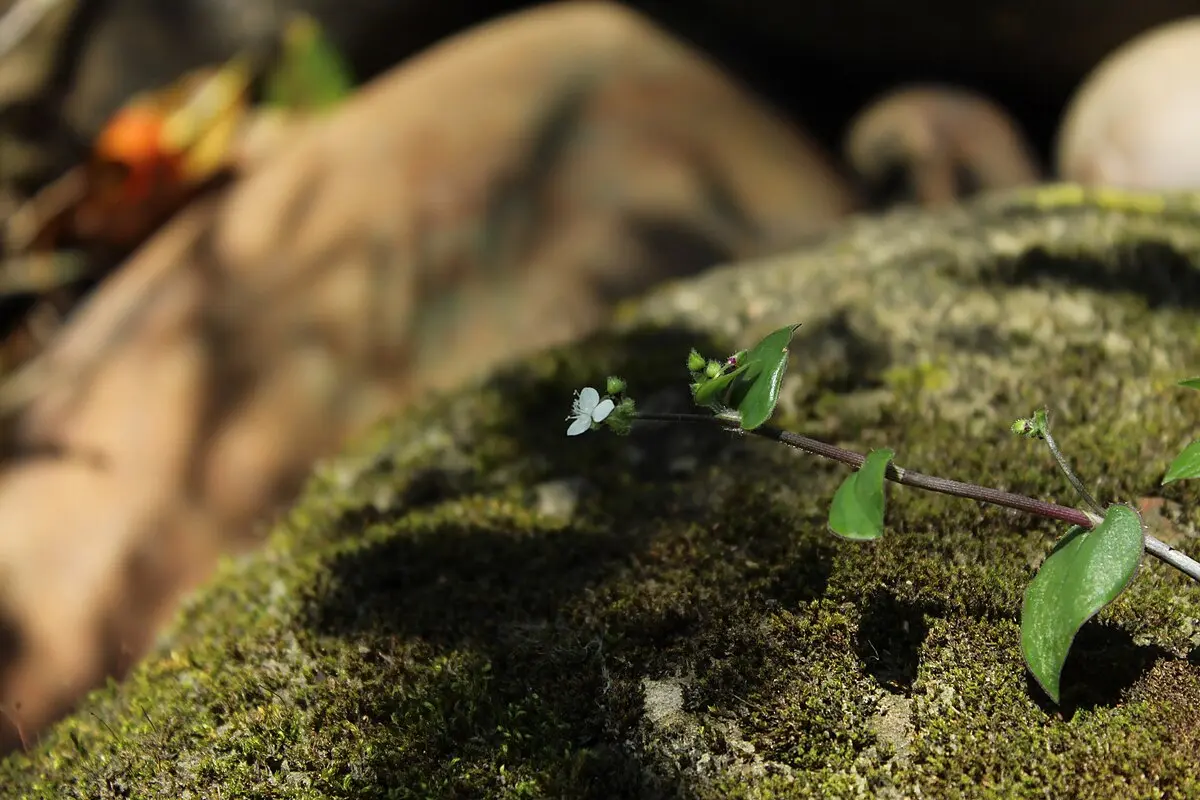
890	636
1103	666
544	627
512	674
526	645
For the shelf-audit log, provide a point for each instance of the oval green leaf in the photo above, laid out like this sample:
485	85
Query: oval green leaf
1086	571
1191	383
858	505
1185	465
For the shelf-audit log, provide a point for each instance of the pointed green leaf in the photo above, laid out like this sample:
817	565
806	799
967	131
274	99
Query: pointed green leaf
858	505
310	74
757	402
1086	571
752	387
755	391
1191	383
712	392
1185	465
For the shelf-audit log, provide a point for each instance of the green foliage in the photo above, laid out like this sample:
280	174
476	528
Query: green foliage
310	74
1085	572
1034	427
620	421
858	504
712	387
1185	465
748	382
1087	569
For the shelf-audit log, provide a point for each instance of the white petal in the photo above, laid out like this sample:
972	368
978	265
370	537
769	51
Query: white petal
588	398
582	424
603	410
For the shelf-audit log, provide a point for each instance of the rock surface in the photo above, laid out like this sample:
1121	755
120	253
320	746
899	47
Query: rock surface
402	244
470	604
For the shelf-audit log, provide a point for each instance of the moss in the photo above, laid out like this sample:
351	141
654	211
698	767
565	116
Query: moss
468	604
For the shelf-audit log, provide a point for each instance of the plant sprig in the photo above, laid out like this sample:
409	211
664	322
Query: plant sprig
1087	569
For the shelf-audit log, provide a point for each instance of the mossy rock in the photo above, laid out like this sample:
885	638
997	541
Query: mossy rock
469	604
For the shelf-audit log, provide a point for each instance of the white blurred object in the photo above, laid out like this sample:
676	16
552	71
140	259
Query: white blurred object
1135	121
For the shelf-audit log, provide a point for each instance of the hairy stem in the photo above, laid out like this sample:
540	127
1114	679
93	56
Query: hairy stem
1072	478
970	491
1175	558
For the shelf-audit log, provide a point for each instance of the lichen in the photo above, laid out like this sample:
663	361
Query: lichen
468	604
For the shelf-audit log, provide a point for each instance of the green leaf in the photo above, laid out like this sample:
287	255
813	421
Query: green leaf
712	391
755	396
1185	465
1191	383
858	504
752	387
310	74
1086	571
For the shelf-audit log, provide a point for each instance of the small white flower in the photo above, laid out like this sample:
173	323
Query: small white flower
587	409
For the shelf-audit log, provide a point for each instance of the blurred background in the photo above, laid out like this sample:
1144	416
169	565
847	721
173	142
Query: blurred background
471	210
820	63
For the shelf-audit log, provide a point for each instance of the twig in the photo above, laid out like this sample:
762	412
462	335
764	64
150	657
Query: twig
1175	558
971	491
1072	478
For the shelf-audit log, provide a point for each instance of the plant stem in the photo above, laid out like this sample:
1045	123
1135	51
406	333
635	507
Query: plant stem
970	491
1175	558
1072	478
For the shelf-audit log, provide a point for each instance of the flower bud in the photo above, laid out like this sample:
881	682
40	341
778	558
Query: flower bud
620	421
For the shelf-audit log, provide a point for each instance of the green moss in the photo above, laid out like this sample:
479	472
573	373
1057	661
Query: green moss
468	604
